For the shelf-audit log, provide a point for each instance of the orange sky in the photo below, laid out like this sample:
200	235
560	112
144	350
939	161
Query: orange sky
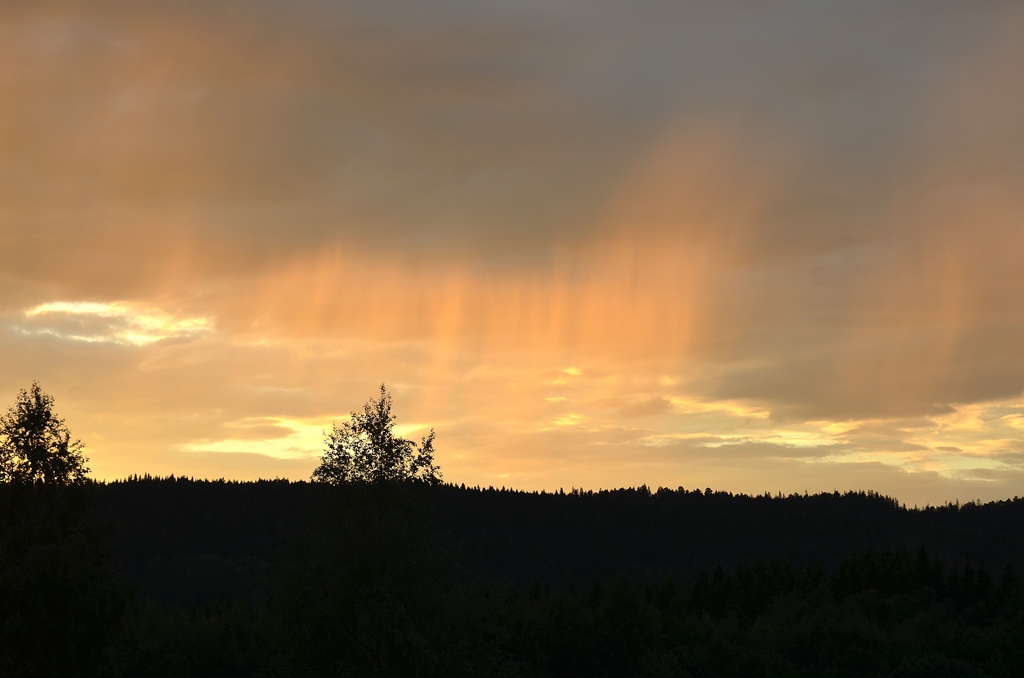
592	244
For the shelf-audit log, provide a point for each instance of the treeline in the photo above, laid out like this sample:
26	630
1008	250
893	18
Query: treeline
171	577
564	536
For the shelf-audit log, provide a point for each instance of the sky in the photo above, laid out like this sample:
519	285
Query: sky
757	247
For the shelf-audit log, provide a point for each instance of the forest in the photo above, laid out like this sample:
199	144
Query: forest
377	567
176	577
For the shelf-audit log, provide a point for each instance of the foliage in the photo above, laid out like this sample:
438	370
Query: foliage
36	445
226	640
409	579
370	589
366	450
61	599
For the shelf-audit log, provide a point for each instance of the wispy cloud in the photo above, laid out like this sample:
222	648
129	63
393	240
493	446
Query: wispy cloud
111	322
286	438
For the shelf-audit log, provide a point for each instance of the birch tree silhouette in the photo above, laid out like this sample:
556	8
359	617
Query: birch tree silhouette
36	445
365	449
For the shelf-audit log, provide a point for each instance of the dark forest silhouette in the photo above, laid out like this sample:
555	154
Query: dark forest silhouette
285	578
393	576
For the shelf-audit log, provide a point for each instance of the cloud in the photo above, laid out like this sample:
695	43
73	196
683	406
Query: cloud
286	439
110	322
590	243
647	407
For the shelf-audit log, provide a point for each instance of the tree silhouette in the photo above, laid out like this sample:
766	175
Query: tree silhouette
36	445
366	450
61	597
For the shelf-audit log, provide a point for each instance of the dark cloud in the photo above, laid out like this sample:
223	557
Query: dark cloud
495	126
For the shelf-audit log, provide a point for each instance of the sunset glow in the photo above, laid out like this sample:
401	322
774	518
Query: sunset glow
752	248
